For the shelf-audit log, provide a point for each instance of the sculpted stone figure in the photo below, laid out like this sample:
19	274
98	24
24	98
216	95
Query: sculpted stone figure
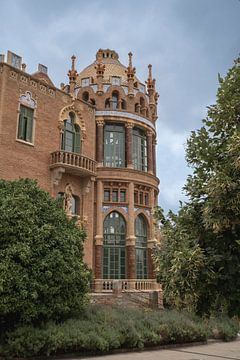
68	199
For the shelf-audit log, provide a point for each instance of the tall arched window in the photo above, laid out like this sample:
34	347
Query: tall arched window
139	150
71	135
114	252
114	100
114	146
142	106
141	247
85	96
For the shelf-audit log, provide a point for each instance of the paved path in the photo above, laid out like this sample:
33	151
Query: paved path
212	351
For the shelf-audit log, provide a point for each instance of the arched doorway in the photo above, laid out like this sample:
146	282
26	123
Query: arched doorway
114	251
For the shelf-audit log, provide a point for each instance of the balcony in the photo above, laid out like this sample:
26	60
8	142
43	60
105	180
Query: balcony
73	163
106	285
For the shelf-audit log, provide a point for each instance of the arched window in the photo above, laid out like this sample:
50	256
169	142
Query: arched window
114	252
142	106
107	103
137	108
124	105
114	146
71	135
141	247
139	150
115	100
85	96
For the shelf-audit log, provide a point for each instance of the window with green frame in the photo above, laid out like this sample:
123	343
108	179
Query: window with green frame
25	124
114	146
114	252
139	150
141	247
71	135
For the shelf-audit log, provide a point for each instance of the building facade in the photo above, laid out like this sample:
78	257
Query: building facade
91	142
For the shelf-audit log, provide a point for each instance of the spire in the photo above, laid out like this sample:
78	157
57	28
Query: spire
73	62
153	95
72	74
130	75
130	59
150	80
100	68
150	72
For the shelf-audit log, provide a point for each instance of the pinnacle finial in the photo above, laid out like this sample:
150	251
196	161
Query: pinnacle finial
150	71
73	62
130	58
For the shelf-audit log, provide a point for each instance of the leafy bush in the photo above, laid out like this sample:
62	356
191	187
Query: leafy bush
42	273
102	329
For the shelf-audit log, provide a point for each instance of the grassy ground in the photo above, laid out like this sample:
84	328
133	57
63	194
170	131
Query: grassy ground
102	329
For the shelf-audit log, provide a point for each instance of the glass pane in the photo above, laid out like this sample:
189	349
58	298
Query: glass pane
141	247
115	195
114	247
106	195
139	150
122	195
114	146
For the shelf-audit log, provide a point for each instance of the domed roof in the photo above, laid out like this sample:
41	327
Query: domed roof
113	67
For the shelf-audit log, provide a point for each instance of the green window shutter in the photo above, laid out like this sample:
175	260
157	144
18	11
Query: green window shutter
25	124
77	142
29	129
21	126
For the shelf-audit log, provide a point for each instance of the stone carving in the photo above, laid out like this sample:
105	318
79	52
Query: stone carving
57	175
27	100
68	194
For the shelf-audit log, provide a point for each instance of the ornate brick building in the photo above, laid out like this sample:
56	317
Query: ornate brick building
91	142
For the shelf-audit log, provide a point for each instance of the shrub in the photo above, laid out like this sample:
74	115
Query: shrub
42	273
102	329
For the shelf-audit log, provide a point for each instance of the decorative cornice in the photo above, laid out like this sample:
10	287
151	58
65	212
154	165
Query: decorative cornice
126	115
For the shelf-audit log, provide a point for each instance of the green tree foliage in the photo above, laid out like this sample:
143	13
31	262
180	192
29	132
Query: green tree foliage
42	273
211	218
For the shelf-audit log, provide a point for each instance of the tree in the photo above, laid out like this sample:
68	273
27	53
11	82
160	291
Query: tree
212	214
42	273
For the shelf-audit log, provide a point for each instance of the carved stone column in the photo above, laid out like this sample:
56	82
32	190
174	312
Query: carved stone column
99	137
149	152
152	240
154	155
99	233
131	239
129	147
151	271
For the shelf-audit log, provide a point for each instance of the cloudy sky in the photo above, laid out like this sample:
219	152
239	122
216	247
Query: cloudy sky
188	42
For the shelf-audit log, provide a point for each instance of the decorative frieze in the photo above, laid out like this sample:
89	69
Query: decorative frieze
13	75
33	84
24	79
43	88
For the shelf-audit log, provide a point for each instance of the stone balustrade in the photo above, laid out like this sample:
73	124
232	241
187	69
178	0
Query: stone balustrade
107	285
73	163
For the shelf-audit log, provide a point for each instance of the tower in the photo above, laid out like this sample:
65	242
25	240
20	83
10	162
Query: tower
126	186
